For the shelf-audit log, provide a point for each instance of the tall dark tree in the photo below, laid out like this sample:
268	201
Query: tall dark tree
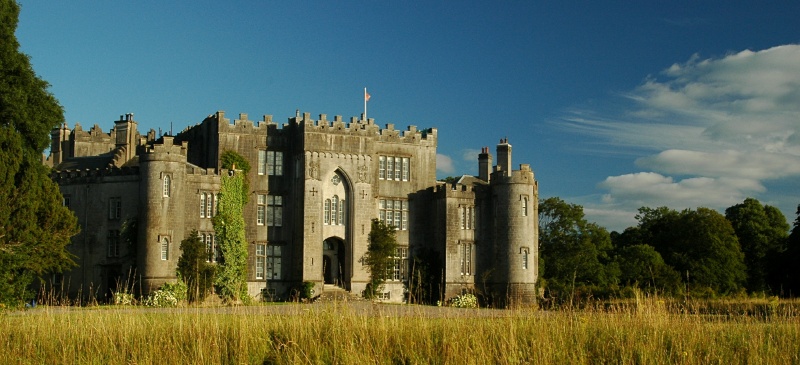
378	259
762	231
34	226
194	268
576	253
790	278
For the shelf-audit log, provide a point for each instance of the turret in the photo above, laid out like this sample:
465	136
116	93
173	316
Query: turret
59	144
127	136
504	156
484	164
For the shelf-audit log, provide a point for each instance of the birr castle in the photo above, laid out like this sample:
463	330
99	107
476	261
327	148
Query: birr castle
315	187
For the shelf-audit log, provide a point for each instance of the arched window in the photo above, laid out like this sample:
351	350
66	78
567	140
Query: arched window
165	249
326	215
167	185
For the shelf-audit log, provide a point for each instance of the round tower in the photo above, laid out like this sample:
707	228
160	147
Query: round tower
162	199
516	239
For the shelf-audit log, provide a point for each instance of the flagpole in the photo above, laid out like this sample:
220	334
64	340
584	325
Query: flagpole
365	103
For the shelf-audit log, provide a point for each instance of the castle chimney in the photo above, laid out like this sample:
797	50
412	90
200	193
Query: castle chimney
504	156
484	164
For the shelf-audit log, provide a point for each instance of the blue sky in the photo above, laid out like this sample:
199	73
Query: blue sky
616	105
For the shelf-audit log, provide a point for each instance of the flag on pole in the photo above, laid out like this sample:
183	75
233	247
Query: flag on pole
366	95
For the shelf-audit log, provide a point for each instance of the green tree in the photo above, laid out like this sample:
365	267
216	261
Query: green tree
700	244
34	226
576	253
643	267
194	268
378	259
762	231
231	278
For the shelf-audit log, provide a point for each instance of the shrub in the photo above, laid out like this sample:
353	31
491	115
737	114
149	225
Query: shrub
464	301
168	295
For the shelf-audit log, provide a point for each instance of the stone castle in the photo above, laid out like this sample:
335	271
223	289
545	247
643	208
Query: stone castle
315	187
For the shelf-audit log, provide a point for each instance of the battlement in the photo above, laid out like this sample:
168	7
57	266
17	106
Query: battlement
75	176
167	149
522	176
94	134
363	127
242	125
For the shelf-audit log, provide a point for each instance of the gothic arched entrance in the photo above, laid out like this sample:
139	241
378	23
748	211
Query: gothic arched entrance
333	261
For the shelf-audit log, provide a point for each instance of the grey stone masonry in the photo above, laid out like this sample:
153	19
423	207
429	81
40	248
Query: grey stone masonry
315	187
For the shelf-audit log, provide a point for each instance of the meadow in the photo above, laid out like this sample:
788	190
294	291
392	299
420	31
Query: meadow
644	332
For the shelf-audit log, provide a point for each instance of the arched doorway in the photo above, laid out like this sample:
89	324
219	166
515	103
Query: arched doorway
333	261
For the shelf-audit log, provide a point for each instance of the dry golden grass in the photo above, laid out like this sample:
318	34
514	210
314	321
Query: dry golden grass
362	333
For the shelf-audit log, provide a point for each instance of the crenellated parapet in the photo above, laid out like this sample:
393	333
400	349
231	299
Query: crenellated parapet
522	176
167	150
242	125
76	176
94	134
363	127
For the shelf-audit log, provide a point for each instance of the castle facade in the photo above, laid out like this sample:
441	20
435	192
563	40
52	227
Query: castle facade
315	187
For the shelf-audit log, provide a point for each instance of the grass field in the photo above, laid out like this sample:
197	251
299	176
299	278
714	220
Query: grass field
365	333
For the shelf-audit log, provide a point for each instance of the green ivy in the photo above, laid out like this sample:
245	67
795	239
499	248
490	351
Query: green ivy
231	278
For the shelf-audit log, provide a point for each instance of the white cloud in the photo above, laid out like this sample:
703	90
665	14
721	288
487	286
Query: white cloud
470	155
444	164
718	128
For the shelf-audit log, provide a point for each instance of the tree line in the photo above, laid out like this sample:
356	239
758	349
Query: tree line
694	252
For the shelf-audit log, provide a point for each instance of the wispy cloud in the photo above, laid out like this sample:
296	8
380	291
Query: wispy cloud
716	129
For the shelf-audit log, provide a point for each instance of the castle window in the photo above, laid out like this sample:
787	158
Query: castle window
341	212
273	262
524	252
326	214
405	168
525	206
262	162
393	168
203	197
275	163
274	210
66	201
394	213
261	209
261	259
113	243
209	204
334	210
398	213
114	208
212	252
404	220
390	168
165	249
467	253
467	217
167	186
398	271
